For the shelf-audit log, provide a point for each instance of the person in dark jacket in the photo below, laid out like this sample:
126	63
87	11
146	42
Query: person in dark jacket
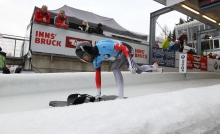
182	38
156	44
42	16
99	29
192	51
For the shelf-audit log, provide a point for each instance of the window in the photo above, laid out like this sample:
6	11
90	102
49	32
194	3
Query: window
205	45
214	33
201	27
190	34
179	32
207	27
216	43
195	29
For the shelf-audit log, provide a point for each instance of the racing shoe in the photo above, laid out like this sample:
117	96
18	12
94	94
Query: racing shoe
159	70
155	64
97	97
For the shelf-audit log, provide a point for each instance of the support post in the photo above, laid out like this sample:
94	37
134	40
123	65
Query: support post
153	18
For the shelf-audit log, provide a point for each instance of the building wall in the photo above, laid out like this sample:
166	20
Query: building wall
52	64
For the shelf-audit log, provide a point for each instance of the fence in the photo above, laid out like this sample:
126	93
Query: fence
164	57
13	46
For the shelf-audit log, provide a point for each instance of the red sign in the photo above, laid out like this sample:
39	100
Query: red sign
139	53
189	61
196	65
203	64
71	42
46	38
196	61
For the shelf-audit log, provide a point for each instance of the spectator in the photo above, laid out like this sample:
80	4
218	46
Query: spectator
174	46
156	44
2	59
182	37
61	20
3	62
209	55
192	51
85	26
42	16
99	29
166	43
214	56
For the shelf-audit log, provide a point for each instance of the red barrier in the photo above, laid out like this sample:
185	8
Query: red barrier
203	64
198	62
189	61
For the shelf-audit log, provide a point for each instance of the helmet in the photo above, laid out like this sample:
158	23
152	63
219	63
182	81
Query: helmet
177	42
84	52
214	56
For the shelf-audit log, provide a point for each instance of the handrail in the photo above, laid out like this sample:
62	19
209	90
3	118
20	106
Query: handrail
12	45
4	35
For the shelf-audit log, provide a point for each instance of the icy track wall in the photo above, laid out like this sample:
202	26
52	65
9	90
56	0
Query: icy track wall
15	84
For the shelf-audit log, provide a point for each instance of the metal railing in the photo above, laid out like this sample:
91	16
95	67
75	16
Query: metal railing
13	46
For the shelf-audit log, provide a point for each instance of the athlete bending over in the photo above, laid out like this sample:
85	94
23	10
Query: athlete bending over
105	49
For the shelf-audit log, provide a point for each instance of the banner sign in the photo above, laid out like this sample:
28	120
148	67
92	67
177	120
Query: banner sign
196	61
53	40
203	64
189	61
210	63
164	57
182	63
217	66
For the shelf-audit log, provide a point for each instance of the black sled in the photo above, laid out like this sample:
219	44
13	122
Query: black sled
76	99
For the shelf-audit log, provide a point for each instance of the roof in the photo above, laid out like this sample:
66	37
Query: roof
212	13
109	24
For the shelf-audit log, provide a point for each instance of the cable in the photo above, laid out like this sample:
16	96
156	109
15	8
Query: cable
33	65
161	28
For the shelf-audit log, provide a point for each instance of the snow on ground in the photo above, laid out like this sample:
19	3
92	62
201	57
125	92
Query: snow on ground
170	107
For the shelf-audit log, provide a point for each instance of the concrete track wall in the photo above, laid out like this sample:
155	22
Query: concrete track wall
14	84
54	64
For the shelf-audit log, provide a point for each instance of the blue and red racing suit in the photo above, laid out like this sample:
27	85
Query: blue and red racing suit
108	48
123	57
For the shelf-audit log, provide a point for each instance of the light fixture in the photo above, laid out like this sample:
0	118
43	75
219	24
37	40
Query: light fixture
190	9
209	18
218	23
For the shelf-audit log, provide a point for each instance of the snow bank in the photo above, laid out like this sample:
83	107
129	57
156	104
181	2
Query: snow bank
189	111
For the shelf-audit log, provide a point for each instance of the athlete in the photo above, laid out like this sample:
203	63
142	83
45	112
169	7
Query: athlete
105	49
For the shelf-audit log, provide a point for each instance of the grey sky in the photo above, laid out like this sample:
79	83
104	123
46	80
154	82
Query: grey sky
130	14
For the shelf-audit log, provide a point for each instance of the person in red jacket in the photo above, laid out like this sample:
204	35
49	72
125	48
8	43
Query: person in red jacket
61	20
182	38
42	16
